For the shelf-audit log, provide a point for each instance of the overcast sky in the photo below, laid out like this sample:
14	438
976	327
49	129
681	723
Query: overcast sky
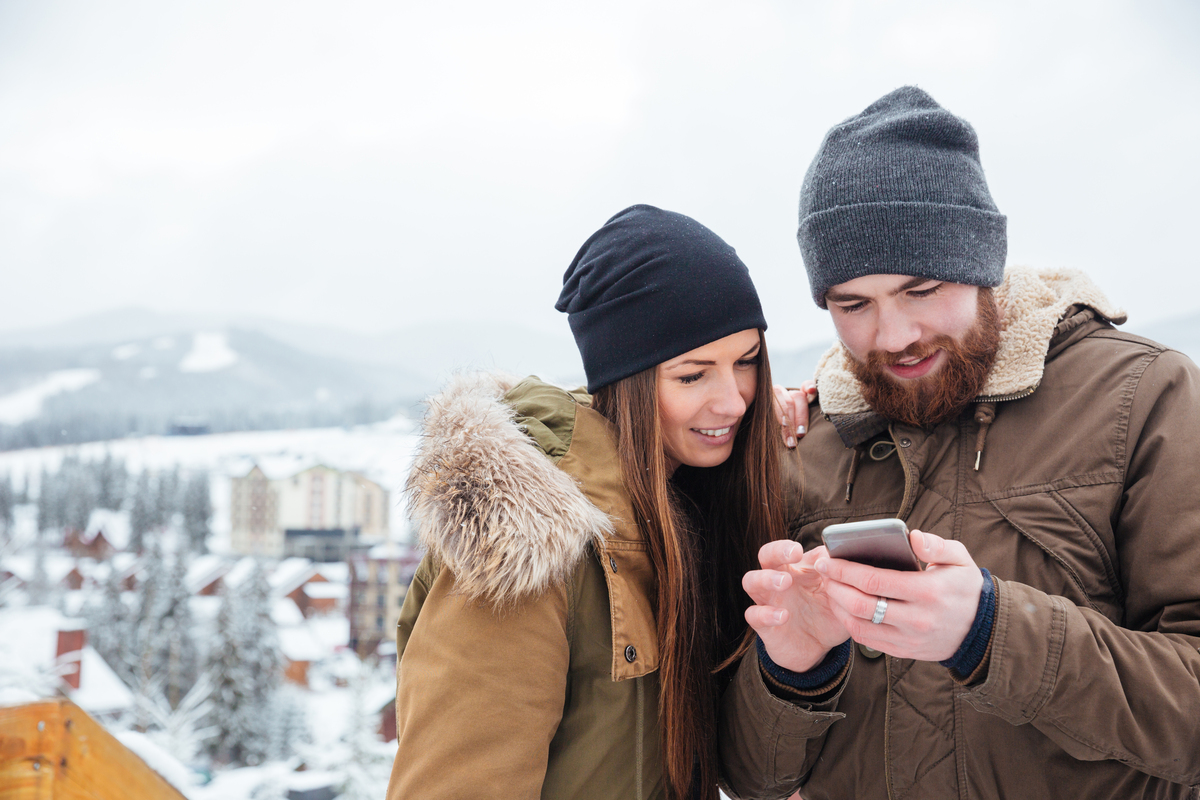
376	165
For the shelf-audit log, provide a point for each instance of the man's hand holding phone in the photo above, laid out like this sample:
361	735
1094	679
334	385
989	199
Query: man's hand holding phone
926	614
808	603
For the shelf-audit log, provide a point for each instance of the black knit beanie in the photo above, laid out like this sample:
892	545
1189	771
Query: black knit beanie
899	190
649	286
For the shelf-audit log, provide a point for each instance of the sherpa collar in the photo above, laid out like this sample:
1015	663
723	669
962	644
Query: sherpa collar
1032	302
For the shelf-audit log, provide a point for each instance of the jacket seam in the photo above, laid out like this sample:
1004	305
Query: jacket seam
1062	562
1109	570
1127	398
1058	626
1067	482
917	779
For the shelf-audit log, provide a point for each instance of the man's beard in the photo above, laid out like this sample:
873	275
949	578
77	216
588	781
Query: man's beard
930	401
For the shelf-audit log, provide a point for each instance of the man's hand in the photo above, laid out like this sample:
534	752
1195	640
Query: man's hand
791	408
928	613
792	615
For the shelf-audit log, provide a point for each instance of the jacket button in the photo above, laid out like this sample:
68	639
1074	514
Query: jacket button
630	654
612	562
906	442
868	652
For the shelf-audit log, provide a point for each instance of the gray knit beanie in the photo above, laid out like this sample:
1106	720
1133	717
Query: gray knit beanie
899	190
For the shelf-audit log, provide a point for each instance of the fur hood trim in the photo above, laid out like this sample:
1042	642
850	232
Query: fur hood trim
489	503
1032	302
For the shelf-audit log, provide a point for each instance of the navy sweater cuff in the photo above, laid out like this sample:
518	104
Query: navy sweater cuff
973	648
833	663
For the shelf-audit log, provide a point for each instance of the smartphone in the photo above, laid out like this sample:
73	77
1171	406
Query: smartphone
876	542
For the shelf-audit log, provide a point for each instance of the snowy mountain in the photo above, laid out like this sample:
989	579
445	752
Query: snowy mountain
216	379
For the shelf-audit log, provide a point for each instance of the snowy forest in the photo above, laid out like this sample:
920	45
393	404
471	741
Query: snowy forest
198	684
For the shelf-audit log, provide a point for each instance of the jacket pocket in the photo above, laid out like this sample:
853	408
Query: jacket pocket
1059	551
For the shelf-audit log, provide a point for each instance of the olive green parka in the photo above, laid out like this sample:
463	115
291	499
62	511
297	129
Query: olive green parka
527	645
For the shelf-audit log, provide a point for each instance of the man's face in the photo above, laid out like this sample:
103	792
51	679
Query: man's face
921	348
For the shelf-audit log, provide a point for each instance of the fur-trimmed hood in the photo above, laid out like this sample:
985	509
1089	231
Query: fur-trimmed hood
1032	302
489	503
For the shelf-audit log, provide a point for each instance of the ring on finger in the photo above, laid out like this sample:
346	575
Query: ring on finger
880	610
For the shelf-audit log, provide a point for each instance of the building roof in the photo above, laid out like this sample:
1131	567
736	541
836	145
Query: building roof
298	644
326	590
28	647
113	524
290	574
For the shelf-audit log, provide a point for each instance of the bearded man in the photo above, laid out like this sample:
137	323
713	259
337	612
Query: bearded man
1045	463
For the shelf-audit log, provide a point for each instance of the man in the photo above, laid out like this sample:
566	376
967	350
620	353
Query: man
1046	464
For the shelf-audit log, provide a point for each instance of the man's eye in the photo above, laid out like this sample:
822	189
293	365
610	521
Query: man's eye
851	309
925	292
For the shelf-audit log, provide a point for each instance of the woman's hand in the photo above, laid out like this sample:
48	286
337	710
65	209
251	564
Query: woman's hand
928	613
791	408
792	613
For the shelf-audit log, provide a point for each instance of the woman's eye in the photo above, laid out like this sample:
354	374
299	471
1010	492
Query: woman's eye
749	362
691	378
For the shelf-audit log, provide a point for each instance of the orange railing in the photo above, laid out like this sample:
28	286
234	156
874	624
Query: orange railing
52	750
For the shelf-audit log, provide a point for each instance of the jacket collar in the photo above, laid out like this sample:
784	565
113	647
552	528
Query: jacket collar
1036	305
487	504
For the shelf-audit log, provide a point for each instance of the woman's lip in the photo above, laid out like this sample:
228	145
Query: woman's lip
716	441
917	370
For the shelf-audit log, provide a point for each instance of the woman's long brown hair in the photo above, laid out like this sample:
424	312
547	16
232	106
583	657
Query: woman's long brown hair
704	527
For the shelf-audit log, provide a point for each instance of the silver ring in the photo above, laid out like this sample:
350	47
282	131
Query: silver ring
880	610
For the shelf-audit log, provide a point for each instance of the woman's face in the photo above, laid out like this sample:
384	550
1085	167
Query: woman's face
702	397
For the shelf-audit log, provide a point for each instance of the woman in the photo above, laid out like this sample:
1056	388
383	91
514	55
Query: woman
567	632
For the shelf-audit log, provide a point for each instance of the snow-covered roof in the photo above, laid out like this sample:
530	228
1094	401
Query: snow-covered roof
114	525
205	569
326	590
332	632
335	571
57	566
274	467
239	572
29	642
290	574
298	644
284	612
100	690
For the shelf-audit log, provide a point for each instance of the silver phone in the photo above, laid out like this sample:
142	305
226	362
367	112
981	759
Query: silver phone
876	542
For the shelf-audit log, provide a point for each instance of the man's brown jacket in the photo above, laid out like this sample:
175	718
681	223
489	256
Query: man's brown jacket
1075	479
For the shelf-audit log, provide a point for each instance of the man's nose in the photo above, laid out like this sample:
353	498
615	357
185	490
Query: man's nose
896	331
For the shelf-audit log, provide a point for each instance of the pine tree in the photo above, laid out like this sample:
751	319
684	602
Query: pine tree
7	501
45	502
78	497
197	511
231	694
166	500
149	637
177	658
110	479
181	730
141	514
38	589
246	669
110	627
366	773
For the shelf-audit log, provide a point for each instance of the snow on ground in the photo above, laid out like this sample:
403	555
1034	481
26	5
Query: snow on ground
210	352
26	404
382	451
